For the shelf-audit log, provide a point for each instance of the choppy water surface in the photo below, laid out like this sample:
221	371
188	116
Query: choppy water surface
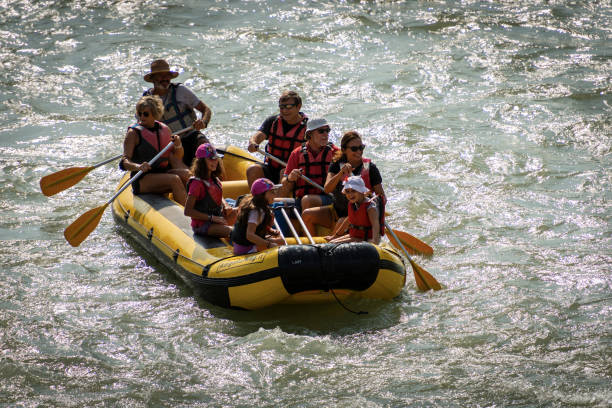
491	122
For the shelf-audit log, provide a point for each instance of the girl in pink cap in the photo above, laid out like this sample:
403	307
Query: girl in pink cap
210	214
253	230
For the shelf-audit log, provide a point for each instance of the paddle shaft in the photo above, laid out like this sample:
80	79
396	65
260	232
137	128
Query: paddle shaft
412	263
153	160
282	163
140	172
239	156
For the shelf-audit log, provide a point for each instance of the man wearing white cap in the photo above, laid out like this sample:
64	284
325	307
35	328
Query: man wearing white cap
179	105
312	160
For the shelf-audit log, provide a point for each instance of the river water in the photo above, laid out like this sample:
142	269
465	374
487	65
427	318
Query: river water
491	123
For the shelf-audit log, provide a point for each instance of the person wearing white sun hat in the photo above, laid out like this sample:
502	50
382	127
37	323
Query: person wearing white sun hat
365	218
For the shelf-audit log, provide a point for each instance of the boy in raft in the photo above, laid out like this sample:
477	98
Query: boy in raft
253	231
364	214
210	214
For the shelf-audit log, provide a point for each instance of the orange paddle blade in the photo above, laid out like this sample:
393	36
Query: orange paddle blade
397	245
423	279
414	243
63	179
80	229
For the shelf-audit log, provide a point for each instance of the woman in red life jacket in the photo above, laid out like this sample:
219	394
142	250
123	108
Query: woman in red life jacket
253	230
210	214
284	131
364	217
348	161
143	141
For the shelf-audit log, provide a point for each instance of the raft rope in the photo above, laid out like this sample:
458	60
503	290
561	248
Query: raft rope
329	252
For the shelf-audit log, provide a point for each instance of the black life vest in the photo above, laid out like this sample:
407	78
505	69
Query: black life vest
238	234
212	203
151	142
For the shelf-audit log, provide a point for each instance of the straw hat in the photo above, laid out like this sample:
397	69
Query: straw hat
157	67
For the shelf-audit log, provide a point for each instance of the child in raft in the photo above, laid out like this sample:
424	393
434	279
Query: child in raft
253	230
364	214
210	214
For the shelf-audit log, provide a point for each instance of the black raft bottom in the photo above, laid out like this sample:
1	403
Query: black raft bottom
352	266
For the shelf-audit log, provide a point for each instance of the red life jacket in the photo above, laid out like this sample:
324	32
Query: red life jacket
280	144
315	168
359	223
150	143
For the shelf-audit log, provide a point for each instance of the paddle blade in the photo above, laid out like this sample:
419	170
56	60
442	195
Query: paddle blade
423	279
413	243
397	245
80	229
63	179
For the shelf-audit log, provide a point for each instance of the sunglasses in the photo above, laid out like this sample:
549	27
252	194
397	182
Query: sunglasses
356	148
145	114
324	130
287	105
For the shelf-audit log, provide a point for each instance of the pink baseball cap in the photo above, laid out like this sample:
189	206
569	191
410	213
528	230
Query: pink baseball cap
261	185
207	151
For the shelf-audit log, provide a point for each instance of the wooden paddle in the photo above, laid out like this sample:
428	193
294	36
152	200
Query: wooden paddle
413	243
416	245
63	179
220	149
424	280
80	229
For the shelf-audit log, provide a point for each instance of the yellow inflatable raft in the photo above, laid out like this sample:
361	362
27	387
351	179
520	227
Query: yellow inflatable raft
293	273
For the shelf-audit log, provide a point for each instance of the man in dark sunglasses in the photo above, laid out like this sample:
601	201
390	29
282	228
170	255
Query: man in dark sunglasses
180	104
312	160
284	133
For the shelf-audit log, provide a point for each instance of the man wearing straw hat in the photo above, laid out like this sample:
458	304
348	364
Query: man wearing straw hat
179	104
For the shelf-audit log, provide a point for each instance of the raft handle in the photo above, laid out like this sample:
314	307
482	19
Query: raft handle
150	234
127	215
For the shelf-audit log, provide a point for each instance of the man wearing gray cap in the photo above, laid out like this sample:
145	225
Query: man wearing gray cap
312	160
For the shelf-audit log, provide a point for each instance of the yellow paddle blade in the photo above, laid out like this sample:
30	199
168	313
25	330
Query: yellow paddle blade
80	229
63	179
423	279
413	243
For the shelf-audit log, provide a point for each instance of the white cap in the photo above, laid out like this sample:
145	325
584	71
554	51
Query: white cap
355	183
313	124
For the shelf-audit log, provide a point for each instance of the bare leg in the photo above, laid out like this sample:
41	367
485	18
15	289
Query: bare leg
183	173
219	231
317	215
311	200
